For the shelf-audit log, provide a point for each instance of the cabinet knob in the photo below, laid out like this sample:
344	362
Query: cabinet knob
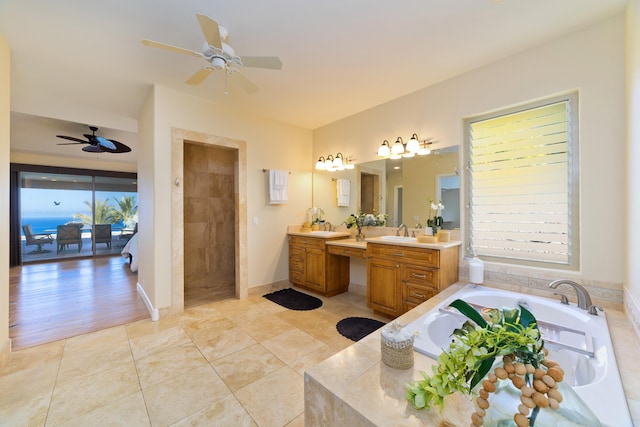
398	254
420	295
419	276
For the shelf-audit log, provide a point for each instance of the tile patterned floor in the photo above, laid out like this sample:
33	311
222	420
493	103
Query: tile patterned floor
226	363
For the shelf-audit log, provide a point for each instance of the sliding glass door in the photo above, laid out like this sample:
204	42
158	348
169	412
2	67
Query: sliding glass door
64	214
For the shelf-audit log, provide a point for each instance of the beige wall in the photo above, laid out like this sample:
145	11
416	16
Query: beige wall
591	61
48	160
632	225
270	145
5	65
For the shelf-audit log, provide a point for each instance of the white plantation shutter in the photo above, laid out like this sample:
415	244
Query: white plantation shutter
522	186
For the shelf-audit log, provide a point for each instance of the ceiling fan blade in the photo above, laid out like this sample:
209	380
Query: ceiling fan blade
211	30
93	149
199	76
165	46
270	62
244	82
111	145
71	138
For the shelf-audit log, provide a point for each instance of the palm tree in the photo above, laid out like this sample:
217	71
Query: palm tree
102	215
127	210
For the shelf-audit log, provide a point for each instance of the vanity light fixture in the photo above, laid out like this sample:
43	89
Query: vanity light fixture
338	162
320	163
398	146
413	145
328	163
425	148
384	149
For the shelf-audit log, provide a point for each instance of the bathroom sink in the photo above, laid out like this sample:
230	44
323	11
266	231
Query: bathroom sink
399	239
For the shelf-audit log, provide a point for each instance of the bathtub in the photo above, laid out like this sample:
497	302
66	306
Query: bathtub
580	342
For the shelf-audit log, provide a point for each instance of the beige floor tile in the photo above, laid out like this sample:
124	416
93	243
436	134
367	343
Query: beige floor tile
217	344
292	345
30	357
184	395
148	344
297	421
168	363
88	354
23	385
146	326
127	411
246	366
265	327
274	400
227	412
312	359
29	412
217	323
82	396
240	310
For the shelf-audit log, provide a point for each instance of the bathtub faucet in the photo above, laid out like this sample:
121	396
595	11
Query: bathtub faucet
584	299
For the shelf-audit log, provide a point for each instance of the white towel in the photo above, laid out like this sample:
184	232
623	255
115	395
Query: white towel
278	187
343	188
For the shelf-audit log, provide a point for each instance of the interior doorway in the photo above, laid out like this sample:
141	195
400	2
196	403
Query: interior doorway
209	218
369	192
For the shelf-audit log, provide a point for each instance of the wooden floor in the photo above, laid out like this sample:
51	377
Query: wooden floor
56	300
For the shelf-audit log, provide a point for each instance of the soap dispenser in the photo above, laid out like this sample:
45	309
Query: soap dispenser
476	270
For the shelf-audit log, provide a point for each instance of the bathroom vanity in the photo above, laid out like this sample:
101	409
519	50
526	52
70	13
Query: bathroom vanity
401	276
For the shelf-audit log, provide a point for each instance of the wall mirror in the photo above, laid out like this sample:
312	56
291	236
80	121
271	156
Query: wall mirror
400	188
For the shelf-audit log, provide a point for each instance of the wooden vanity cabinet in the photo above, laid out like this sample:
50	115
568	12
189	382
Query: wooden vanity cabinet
400	278
312	267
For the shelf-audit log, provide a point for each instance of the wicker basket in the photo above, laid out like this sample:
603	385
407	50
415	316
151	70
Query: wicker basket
397	354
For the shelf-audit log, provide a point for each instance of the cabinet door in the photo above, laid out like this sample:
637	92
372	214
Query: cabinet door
296	265
383	280
315	269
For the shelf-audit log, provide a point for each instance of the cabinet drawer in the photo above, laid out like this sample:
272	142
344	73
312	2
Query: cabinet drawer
346	251
297	252
296	277
430	257
417	294
307	242
420	276
296	264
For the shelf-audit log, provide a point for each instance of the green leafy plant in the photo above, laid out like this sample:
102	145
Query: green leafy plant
473	351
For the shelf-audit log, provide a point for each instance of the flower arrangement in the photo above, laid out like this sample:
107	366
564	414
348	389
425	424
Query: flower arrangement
511	334
317	215
374	219
436	221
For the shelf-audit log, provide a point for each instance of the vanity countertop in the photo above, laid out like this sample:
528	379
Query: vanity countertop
321	234
353	387
349	243
414	243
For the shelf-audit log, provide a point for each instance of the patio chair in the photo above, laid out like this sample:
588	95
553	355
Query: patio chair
69	234
36	239
102	234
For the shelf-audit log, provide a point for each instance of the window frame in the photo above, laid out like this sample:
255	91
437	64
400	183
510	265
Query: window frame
572	98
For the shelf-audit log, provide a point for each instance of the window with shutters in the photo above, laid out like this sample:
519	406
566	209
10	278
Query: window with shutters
522	188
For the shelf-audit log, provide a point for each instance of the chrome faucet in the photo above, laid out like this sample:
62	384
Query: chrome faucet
584	299
419	225
325	226
406	232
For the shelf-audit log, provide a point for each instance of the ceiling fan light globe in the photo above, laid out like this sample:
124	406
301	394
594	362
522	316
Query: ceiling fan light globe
218	62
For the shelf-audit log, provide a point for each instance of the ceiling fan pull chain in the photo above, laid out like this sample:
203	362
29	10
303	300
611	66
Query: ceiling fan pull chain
226	76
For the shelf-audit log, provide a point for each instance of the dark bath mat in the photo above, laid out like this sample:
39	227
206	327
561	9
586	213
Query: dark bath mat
356	328
294	300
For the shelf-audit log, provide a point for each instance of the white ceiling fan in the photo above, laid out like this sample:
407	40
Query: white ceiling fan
220	55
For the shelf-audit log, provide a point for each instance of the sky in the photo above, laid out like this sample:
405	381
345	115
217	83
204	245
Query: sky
38	203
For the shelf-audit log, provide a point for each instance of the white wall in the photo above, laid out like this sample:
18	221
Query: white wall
5	64
591	61
270	145
633	157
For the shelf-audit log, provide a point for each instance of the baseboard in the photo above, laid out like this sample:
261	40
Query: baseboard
155	314
632	309
5	350
270	287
